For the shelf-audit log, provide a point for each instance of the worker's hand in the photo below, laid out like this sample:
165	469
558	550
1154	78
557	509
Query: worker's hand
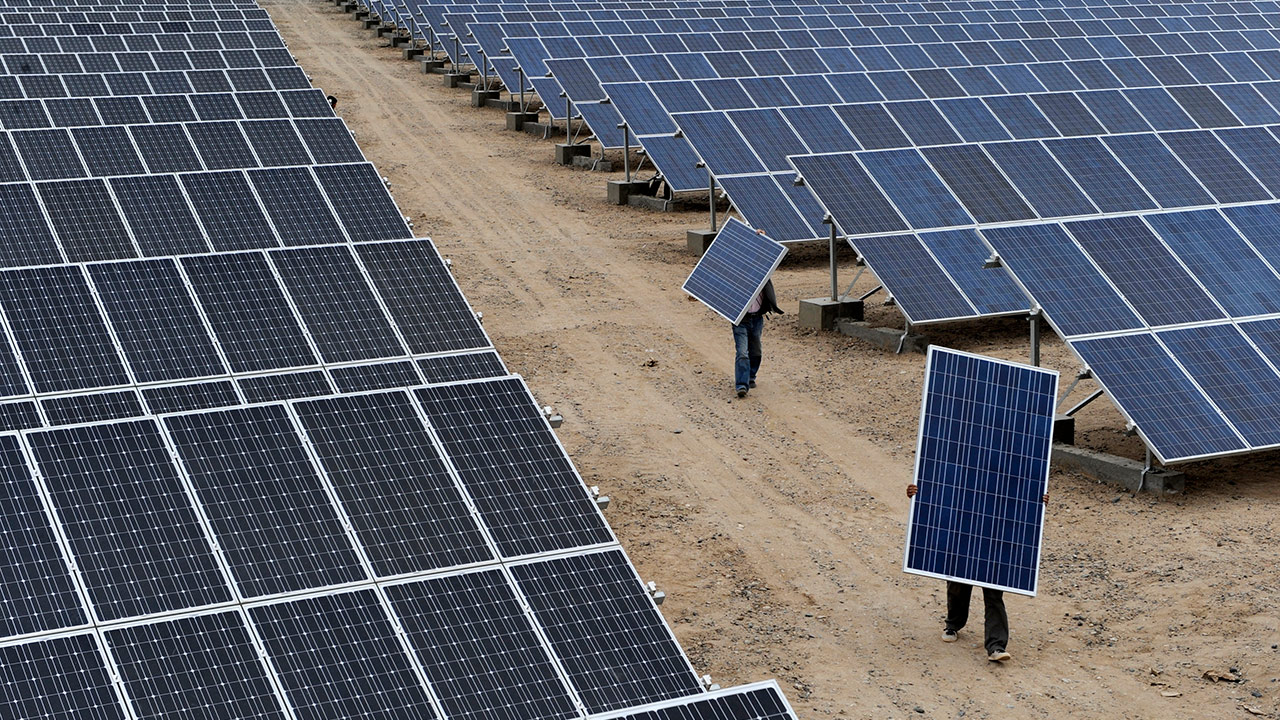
1045	499
911	490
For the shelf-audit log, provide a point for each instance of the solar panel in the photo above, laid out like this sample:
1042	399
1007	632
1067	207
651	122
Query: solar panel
982	465
734	269
602	624
757	701
58	678
338	656
265	501
479	649
393	483
136	539
524	487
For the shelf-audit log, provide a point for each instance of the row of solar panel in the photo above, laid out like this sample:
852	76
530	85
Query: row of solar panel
194	83
416	648
1206	386
106	151
207	316
186	396
276	500
153	216
63	52
31	73
145	109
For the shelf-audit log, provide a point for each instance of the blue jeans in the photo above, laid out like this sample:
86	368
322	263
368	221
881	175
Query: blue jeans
746	340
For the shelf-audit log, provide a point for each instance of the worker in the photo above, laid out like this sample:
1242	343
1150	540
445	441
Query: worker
746	338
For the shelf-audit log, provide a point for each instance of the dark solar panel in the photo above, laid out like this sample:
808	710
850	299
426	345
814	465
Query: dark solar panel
265	502
63	677
392	482
137	542
75	409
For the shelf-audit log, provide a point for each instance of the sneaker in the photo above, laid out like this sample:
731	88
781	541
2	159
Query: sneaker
948	635
999	655
753	383
742	391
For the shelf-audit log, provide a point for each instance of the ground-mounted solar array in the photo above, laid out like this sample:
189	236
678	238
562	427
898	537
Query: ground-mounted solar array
982	469
258	456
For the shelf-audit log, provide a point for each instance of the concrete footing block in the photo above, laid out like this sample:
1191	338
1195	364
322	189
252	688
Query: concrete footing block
650	202
883	338
412	53
398	40
586	162
566	153
697	241
370	23
1119	471
544	130
431	65
480	97
385	30
453	80
824	313
619	191
349	7
517	120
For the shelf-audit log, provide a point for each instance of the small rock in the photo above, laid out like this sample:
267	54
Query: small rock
919	709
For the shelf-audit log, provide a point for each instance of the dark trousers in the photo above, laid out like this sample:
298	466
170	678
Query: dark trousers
746	343
997	621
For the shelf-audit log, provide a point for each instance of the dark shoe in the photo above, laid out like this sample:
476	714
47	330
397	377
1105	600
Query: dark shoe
999	655
753	383
742	391
948	635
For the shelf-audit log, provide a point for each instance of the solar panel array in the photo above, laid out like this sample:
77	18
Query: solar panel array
257	456
982	469
734	269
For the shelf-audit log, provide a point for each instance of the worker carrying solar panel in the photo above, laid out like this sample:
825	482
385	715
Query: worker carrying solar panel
996	620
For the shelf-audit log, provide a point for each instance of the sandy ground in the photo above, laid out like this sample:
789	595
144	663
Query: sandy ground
775	524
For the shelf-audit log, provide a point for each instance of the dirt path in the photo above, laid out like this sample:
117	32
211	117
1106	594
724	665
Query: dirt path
775	524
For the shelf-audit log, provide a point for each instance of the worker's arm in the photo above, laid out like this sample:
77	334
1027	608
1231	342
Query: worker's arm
912	489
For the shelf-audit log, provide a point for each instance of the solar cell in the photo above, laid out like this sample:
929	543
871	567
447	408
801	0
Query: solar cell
159	216
1040	179
329	141
265	501
759	198
612	643
522	483
923	123
204	666
362	202
479	650
1223	262
1172	415
284	386
58	329
982	467
872	126
136	540
58	678
338	656
393	484
733	270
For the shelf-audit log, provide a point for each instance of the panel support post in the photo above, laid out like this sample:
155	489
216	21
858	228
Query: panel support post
1034	319
626	149
711	198
835	286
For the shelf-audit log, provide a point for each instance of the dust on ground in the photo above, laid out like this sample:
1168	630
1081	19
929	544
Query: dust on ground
775	524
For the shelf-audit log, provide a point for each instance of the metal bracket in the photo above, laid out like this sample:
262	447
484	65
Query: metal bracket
1092	396
602	501
871	292
657	595
554	419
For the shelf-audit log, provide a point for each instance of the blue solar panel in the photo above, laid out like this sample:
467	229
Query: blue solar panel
1232	373
1102	178
1173	416
734	269
978	184
821	130
769	135
1236	277
767	206
982	468
1167	181
719	144
915	189
962	253
676	159
1216	167
1140	266
848	193
1076	297
920	287
1042	182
